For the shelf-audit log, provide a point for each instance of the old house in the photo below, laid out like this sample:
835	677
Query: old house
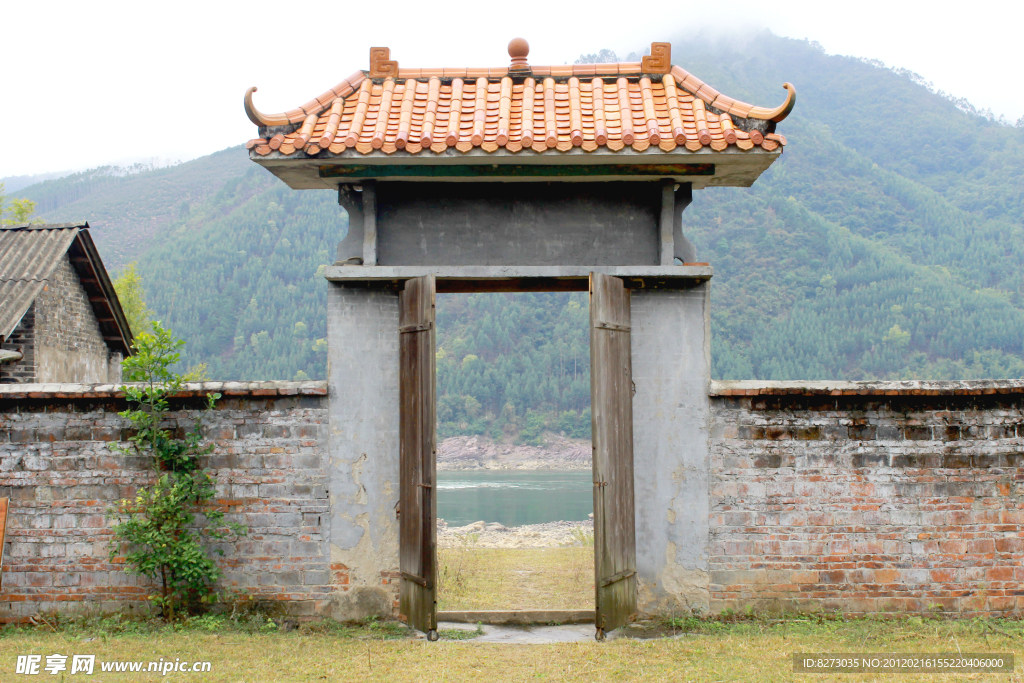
60	319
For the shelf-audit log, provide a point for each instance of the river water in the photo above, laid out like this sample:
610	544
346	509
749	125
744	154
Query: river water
514	497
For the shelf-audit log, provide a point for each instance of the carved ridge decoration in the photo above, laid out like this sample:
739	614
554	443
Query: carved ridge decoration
258	117
381	64
781	111
659	61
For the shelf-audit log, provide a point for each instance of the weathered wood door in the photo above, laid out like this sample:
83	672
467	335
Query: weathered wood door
611	397
417	451
3	531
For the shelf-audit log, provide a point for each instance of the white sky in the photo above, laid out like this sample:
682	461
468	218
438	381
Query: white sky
92	83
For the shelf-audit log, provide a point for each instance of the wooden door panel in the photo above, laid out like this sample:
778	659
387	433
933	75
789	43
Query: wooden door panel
417	451
3	533
611	395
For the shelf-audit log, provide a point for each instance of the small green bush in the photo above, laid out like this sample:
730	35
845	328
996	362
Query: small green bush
161	530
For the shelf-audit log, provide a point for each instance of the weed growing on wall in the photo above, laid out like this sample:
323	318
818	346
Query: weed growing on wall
163	526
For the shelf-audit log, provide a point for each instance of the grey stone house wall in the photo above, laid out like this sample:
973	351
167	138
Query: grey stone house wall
60	337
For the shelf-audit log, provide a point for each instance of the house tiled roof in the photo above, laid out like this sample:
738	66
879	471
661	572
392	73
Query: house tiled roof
30	252
27	259
595	107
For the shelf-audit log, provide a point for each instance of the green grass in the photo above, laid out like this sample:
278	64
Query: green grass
731	649
461	633
250	644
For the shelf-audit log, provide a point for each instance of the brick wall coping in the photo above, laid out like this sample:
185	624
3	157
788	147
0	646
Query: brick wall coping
839	388
44	391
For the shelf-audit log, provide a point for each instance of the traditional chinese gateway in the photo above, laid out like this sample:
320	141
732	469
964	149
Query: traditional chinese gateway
518	178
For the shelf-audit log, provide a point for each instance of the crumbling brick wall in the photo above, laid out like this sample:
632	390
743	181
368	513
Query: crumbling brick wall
882	497
858	497
60	336
60	469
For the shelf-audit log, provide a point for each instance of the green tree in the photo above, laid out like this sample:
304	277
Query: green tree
16	211
161	530
132	295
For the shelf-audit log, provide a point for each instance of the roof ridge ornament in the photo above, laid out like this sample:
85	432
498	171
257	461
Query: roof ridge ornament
781	111
258	117
519	50
381	64
659	61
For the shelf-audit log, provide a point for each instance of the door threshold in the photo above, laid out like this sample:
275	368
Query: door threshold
524	617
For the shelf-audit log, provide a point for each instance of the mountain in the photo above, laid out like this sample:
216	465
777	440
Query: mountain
13	183
885	243
130	206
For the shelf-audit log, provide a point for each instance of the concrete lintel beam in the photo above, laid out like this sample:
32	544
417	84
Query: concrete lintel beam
519	278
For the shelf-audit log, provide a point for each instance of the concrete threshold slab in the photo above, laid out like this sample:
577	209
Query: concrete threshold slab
528	635
519	617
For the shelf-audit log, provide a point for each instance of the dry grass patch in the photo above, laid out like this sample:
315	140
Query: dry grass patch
473	578
746	651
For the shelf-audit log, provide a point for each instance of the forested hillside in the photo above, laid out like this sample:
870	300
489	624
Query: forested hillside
886	242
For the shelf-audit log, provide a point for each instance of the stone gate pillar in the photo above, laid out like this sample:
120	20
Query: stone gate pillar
671	356
362	328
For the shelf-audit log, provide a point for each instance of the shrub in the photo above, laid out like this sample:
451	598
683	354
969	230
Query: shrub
162	526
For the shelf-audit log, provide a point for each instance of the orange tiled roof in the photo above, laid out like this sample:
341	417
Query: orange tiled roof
389	109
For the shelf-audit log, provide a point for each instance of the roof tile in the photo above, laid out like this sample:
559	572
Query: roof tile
549	108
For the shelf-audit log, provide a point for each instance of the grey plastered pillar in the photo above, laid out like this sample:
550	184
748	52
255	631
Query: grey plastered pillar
363	384
671	416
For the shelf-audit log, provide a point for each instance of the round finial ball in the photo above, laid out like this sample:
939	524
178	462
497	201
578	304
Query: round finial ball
518	48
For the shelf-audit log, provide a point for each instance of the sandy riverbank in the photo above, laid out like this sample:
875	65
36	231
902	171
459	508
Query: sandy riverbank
494	535
481	453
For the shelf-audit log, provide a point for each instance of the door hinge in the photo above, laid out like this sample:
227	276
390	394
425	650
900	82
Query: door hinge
419	580
422	327
615	578
616	327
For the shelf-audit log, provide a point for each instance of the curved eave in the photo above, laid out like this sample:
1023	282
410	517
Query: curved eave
709	95
299	114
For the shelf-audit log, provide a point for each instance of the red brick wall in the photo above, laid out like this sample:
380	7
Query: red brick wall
58	467
893	500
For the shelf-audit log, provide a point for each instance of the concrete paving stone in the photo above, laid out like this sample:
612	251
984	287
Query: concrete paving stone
535	635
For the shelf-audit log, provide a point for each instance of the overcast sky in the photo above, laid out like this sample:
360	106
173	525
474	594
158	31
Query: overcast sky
93	83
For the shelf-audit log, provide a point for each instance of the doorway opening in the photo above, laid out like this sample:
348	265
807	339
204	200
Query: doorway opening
611	392
514	470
